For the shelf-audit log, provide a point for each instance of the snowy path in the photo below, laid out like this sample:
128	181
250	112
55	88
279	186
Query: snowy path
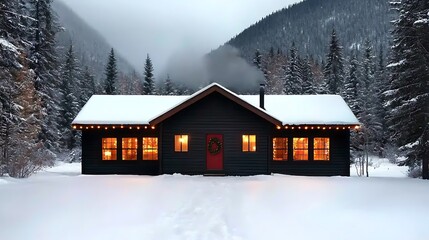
202	215
61	204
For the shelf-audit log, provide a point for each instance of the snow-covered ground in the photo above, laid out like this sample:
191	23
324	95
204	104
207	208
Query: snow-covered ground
59	203
381	167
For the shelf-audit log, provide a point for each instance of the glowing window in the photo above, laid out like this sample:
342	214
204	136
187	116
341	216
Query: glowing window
321	149
129	148
109	150
150	148
249	143
280	150
180	143
300	149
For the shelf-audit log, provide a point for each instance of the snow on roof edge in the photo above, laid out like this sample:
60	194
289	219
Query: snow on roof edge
252	100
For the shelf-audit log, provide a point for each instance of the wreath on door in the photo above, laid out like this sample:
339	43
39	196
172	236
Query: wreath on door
214	146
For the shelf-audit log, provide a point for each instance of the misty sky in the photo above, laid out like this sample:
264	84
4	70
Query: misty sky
168	29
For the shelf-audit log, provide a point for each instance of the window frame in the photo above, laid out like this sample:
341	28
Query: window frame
143	149
111	149
129	149
301	149
285	149
249	148
181	150
322	149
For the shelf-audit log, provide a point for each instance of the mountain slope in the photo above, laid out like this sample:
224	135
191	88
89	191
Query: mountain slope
309	24
91	48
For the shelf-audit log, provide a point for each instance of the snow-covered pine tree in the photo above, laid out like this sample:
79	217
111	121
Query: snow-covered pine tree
88	87
351	90
27	152
8	108
275	72
45	65
408	93
352	93
379	109
308	85
69	105
371	124
293	77
168	87
19	102
333	69
149	81
111	74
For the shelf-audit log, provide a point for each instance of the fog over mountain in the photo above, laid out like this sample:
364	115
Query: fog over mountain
169	29
90	46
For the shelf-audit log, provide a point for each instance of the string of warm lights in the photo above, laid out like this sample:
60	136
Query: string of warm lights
321	127
106	127
291	127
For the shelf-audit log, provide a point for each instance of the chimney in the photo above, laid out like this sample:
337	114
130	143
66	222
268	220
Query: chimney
262	96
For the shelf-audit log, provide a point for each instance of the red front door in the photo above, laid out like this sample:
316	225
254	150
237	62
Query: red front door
214	149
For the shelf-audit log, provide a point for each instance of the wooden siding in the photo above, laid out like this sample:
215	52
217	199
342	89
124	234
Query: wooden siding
339	163
215	114
91	153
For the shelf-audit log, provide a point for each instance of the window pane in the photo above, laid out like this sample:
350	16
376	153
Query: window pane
181	143
245	143
300	149
252	143
280	149
184	143
108	151
177	144
129	148
321	149
150	148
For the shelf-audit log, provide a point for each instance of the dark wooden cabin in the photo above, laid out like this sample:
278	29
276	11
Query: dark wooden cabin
215	131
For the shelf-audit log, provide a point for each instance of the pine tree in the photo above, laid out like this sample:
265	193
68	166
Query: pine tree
352	86
27	153
45	65
408	93
88	87
293	78
69	102
368	100
307	77
149	81
275	72
168	87
111	74
352	94
334	70
380	100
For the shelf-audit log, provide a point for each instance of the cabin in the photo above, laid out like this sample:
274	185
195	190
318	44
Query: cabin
216	132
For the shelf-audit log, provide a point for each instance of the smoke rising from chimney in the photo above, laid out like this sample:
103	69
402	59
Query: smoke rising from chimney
224	66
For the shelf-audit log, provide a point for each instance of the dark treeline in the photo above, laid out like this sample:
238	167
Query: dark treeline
310	22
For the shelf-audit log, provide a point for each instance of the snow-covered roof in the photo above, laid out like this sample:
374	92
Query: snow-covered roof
287	109
306	109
